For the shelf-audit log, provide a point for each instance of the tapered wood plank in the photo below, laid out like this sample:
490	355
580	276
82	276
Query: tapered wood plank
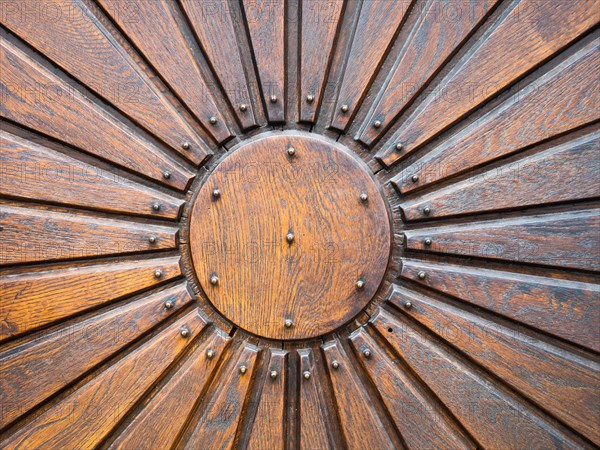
562	100
440	30
320	20
564	384
76	41
565	239
265	20
85	417
355	408
378	23
316	425
530	181
564	308
32	300
29	372
216	27
421	422
175	400
30	235
521	39
38	99
31	171
222	410
496	419
268	425
147	24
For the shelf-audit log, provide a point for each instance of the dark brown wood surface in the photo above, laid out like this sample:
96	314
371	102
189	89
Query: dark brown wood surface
473	128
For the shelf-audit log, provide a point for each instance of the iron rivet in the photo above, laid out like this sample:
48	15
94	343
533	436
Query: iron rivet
185	332
422	275
288	323
213	120
210	353
216	193
273	99
377	124
214	279
367	353
243	107
158	273
345	108
306	374
290	237
408	305
273	374
428	241
310	98
415	178
243	369
169	304
156	206
166	175
152	239
360	284
399	147
427	210
335	365
291	151
186	145
364	197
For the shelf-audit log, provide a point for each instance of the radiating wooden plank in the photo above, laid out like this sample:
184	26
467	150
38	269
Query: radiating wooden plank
75	40
354	406
564	308
378	23
316	425
521	39
564	99
564	173
564	384
320	20
85	417
564	239
222	410
441	28
31	171
421	422
265	21
216	27
490	414
147	24
268	425
38	99
30	235
32	300
175	400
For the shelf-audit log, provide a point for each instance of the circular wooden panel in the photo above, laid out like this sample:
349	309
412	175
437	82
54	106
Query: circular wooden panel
290	236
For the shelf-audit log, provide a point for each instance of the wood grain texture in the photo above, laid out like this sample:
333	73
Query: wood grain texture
216	27
565	308
175	400
531	181
38	99
30	371
266	24
88	415
562	100
565	385
30	171
520	40
147	27
30	235
76	41
490	414
441	28
421	422
265	194
320	21
378	23
531	239
35	299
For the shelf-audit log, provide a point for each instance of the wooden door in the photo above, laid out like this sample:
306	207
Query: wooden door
270	224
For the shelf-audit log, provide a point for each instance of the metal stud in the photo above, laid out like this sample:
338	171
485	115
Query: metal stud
377	124
156	206
310	98
335	365
399	147
169	304
216	193
273	374
214	279
367	353
166	175
345	108
184	332
288	323
213	120
243	369
186	145
415	178
290	237
364	197
408	305
291	151
210	353
152	239
306	374
427	210
360	283
243	107
428	242
422	275
158	274
273	99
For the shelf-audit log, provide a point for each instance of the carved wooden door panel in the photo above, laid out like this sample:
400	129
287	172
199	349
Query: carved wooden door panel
270	224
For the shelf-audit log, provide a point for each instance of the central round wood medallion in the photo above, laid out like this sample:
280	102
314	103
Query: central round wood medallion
290	236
